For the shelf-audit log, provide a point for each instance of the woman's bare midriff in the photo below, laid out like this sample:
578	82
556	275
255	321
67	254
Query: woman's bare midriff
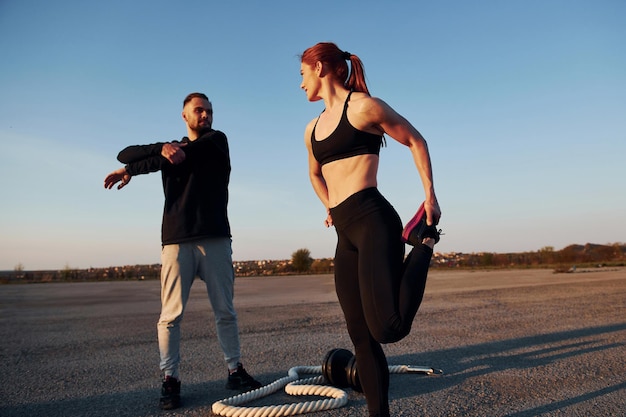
345	177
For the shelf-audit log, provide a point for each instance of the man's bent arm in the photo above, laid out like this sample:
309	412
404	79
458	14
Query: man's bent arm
137	153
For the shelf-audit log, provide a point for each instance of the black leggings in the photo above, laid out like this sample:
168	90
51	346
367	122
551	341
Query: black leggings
379	291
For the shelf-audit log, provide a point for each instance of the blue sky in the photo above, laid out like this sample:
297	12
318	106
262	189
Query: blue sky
523	105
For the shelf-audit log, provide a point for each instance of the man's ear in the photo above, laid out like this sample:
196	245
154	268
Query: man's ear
184	116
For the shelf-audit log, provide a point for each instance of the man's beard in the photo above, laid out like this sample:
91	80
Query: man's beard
201	129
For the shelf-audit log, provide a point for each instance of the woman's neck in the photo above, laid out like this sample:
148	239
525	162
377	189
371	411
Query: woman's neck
334	95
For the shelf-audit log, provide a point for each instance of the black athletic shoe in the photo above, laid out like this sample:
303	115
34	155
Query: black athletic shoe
170	394
242	381
417	230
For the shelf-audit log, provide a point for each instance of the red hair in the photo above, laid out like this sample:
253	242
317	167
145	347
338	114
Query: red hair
335	59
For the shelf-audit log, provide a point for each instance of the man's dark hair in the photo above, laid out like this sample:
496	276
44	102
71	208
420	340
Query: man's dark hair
192	96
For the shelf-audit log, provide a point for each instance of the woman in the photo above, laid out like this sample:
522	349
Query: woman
379	291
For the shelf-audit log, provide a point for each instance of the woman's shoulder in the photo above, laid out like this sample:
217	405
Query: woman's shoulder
365	102
311	124
370	110
308	130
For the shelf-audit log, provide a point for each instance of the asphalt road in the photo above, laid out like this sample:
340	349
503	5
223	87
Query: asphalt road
510	343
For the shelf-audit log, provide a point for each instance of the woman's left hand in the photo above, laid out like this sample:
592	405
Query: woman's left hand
433	212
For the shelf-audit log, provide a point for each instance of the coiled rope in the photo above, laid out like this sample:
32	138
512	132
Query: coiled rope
336	397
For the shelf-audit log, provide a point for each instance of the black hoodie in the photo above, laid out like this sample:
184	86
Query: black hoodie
196	190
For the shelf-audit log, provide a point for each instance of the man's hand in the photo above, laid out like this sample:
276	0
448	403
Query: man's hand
173	152
115	177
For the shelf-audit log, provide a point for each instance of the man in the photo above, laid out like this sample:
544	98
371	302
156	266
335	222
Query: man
195	235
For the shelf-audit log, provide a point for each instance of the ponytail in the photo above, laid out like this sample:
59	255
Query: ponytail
335	59
356	81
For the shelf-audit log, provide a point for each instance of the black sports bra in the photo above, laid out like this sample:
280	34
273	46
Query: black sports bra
345	141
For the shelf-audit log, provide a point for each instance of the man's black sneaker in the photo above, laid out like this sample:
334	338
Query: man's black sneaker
242	381
170	394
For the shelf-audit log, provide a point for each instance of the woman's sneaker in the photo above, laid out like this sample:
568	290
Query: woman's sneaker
170	394
417	230
242	381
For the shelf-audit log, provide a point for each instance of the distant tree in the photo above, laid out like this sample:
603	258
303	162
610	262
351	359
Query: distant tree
301	260
67	273
19	270
547	255
486	259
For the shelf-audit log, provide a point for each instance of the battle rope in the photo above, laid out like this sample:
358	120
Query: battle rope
337	397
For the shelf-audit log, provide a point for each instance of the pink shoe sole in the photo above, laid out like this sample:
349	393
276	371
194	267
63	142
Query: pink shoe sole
413	223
